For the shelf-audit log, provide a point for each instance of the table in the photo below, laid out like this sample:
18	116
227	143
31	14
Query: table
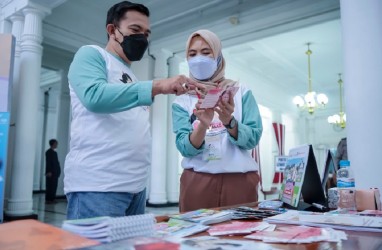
35	235
356	240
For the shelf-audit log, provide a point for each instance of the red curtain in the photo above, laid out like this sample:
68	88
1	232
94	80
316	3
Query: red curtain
279	130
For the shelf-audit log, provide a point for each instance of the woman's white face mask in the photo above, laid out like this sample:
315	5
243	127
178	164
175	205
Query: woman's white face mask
202	67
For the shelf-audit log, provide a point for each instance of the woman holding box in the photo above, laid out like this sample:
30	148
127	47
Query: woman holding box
215	142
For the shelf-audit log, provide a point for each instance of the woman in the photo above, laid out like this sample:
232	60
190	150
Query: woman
218	168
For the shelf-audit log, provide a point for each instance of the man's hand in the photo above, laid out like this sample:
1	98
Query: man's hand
48	174
177	85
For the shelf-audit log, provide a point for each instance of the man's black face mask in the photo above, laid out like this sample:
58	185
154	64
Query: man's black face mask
134	46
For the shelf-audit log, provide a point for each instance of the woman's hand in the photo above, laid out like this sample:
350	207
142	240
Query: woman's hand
205	116
225	109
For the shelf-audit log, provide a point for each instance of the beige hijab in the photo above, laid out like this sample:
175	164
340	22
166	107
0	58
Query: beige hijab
217	79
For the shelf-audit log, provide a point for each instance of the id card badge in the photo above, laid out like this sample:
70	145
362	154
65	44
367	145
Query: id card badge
213	148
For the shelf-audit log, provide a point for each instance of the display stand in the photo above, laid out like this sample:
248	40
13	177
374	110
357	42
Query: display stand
302	187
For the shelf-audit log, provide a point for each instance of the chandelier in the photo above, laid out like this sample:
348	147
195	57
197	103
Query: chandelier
339	120
311	100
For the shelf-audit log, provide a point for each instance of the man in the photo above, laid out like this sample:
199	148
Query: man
110	149
342	152
52	172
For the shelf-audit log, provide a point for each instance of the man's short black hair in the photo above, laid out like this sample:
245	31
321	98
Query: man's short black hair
52	142
118	11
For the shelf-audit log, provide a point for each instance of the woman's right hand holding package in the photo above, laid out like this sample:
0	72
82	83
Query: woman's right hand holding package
205	116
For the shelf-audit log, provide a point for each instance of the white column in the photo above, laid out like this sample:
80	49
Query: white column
362	45
63	120
17	30
159	134
20	200
42	117
5	26
17	21
172	151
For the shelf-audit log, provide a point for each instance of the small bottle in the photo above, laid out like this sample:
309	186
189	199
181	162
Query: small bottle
345	176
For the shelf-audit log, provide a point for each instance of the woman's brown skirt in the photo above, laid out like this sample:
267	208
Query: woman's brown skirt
203	190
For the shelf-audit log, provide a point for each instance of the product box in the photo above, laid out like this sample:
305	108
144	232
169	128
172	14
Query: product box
368	199
359	199
341	198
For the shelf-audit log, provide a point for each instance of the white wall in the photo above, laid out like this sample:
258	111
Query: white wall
323	136
144	70
292	131
268	148
57	125
49	133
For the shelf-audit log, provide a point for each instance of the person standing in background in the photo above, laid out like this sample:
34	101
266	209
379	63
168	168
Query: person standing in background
52	172
342	152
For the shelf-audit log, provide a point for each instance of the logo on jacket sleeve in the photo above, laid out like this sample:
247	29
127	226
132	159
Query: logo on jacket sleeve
125	78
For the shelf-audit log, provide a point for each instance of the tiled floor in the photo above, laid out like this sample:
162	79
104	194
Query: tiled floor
55	214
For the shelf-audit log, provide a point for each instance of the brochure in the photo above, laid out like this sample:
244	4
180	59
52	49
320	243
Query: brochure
204	216
298	234
178	228
338	221
237	227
